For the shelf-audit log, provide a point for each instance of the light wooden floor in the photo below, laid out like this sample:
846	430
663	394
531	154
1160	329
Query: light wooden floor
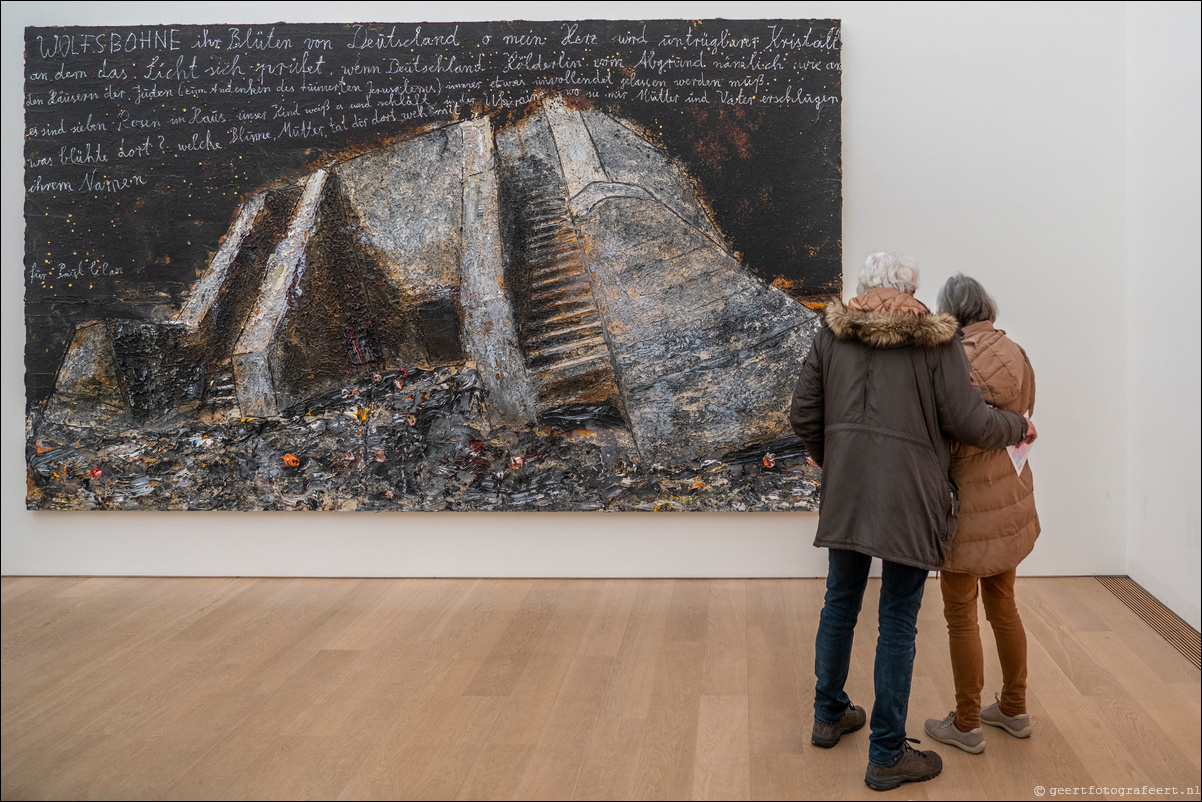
139	688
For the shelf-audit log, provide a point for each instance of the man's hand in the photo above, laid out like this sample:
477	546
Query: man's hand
1031	433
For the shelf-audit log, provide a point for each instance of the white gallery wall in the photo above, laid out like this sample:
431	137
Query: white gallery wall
1164	260
1045	149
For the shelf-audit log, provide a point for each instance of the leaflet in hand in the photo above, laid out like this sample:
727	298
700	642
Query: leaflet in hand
1018	456
1018	453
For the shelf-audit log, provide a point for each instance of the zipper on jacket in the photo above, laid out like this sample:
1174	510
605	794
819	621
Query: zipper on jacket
867	383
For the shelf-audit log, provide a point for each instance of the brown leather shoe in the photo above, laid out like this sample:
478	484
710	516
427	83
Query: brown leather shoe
827	735
912	767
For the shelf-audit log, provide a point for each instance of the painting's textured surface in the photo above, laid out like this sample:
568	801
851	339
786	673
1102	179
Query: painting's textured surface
456	266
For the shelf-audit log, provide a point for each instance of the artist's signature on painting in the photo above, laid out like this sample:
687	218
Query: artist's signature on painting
83	268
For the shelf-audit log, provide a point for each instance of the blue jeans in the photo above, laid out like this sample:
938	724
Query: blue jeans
901	596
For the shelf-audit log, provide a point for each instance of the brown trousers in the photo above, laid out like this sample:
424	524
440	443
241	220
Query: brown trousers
968	662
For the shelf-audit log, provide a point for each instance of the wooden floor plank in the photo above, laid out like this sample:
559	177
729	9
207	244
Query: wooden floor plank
448	657
12	587
496	772
554	765
68	619
688	614
803	601
230	688
260	687
668	752
39	604
393	598
612	754
774	680
1155	653
243	749
503	758
1191	693
167	671
606	628
503	666
356	713
1047	624
278	689
1063	594
47	676
722	769
1074	714
535	691
1159	703
724	672
437	769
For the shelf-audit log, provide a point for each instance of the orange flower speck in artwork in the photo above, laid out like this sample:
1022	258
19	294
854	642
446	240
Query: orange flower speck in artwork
291	460
769	460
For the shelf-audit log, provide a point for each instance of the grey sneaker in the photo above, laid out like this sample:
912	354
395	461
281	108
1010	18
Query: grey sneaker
827	735
912	767
1019	726
946	732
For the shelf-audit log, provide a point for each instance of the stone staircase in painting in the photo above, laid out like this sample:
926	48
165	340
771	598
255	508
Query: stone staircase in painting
221	393
562	335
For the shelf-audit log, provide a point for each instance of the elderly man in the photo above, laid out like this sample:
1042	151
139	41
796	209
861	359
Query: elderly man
882	395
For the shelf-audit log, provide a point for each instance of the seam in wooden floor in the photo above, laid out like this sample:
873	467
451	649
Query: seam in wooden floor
1164	621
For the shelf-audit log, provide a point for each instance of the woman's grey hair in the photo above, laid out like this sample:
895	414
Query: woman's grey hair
888	270
965	299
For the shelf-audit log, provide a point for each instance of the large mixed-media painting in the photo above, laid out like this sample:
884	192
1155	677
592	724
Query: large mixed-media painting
456	266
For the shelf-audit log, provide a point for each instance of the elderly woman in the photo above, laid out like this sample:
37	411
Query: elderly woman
882	395
997	529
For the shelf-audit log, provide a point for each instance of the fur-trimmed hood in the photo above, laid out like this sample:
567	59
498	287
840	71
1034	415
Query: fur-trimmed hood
882	322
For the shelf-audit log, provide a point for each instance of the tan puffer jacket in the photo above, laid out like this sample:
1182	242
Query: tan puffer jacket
998	523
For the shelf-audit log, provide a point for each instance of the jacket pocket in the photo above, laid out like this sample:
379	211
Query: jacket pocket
951	514
951	517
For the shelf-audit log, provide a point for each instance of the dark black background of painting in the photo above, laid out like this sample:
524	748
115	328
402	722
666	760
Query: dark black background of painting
770	174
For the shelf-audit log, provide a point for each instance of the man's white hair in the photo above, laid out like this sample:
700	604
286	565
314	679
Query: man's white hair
888	270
